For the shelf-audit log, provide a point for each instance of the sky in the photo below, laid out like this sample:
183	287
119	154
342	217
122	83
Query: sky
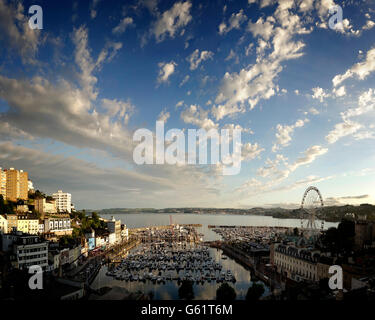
303	93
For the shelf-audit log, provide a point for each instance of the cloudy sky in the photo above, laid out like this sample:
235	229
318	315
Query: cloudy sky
73	94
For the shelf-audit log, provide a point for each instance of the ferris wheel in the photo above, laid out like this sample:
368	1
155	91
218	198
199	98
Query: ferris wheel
312	200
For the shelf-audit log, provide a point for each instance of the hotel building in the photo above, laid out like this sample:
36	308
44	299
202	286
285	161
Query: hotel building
299	264
63	201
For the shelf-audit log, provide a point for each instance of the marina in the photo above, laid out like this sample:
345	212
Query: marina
161	262
166	255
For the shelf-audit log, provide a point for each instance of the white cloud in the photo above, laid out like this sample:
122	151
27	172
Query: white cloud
320	94
164	115
263	28
184	80
366	103
250	151
232	126
93	8
369	25
313	111
361	70
256	81
166	70
309	156
123	25
340	92
197	58
197	116
343	129
61	111
283	135
232	55
172	20
117	109
234	22
16	33
221	111
180	104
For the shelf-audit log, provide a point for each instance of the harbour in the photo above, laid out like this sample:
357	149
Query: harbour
166	255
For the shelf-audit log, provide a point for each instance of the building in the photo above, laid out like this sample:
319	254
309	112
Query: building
124	232
63	201
44	207
41	227
3	224
3	183
364	234
29	251
8	239
114	226
12	222
22	207
298	264
60	226
28	224
16	184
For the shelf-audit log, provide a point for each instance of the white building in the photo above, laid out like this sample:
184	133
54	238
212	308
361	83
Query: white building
3	224
59	226
43	206
296	263
63	201
114	226
30	251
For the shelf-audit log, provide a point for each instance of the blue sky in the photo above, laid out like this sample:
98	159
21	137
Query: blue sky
73	93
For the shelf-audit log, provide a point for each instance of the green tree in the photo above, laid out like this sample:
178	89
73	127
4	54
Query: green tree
255	292
225	293
186	291
2	204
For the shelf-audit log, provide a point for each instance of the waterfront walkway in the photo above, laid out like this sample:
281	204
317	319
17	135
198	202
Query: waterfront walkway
268	276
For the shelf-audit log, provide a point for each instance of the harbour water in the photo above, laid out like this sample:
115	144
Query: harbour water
139	220
207	290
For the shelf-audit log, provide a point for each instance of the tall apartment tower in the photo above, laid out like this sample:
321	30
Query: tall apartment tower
3	183
16	184
63	201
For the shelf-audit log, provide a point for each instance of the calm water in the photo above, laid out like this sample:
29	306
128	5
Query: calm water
169	291
154	219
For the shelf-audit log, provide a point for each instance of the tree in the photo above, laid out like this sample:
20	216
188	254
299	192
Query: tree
186	292
2	204
255	292
295	232
225	293
6	207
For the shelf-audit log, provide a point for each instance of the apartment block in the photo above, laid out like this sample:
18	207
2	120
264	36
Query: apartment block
27	224
16	184
3	183
63	201
30	251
